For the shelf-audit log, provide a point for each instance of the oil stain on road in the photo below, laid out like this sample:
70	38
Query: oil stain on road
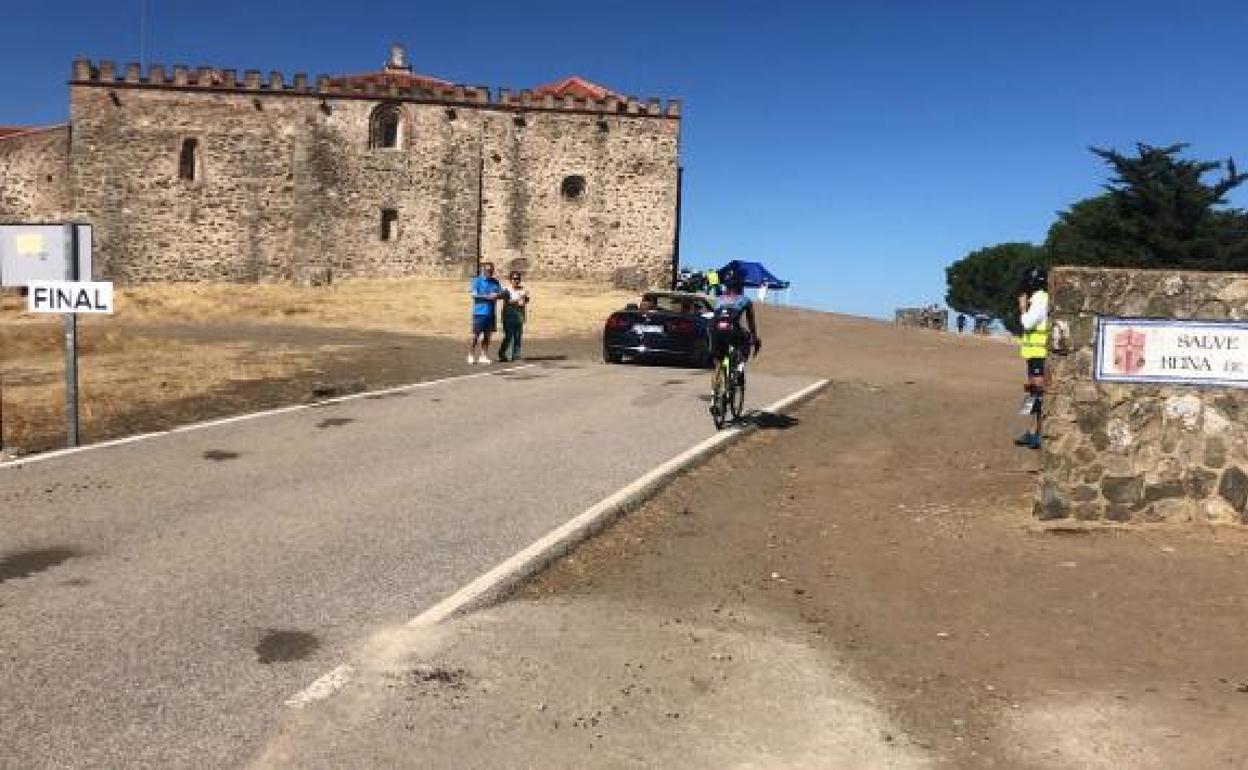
220	455
335	422
286	646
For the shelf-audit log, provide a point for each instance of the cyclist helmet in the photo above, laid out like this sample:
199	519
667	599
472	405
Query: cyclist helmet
732	279
1034	278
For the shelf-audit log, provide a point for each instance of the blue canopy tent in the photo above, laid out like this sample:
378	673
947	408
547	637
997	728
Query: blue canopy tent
756	277
755	274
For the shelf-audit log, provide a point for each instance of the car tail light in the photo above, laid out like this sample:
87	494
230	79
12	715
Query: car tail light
617	321
681	326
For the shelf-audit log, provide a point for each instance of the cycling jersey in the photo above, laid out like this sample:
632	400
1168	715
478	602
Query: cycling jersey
726	325
731	306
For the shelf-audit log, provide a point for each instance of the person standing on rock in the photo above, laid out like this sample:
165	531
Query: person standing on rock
485	291
515	302
1033	345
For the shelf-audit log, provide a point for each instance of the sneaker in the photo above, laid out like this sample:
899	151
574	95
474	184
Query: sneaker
483	359
1029	440
472	359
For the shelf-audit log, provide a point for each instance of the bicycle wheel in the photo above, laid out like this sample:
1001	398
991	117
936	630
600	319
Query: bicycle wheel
736	389
719	395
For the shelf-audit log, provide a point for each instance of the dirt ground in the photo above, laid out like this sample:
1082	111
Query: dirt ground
174	354
860	587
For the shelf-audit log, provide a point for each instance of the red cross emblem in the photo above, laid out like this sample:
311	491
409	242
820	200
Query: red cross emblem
1128	351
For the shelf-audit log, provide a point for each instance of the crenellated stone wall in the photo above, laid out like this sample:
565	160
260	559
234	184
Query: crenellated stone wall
287	184
34	175
1141	452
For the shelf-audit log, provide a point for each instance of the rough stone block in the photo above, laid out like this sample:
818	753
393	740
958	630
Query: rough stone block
1087	511
1124	490
1116	512
1051	504
1185	410
1233	488
1173	510
1215	453
1085	494
1199	482
1087	393
1218	511
1164	490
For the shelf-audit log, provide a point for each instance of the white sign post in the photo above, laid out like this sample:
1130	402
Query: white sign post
49	260
1164	351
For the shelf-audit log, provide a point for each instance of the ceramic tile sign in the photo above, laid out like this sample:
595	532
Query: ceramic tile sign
1179	352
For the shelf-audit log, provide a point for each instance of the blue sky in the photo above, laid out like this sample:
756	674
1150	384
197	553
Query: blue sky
855	147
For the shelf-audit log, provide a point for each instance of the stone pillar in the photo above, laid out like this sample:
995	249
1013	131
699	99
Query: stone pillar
1141	451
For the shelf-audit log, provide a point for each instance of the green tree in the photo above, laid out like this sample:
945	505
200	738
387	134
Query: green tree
986	281
1091	233
1157	212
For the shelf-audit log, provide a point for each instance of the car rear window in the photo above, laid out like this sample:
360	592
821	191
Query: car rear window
674	304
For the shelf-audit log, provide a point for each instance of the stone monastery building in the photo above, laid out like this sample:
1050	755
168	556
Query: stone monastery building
198	174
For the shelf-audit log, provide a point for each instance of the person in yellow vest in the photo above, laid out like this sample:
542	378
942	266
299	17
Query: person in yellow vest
1033	307
712	282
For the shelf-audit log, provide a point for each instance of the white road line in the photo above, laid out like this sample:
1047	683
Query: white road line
322	688
503	579
252	415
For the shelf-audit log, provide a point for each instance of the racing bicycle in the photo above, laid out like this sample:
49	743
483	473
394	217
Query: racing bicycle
728	386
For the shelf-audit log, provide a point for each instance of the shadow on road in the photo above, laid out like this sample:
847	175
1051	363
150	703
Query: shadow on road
771	421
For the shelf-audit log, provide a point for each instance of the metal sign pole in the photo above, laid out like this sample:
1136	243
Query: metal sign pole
71	346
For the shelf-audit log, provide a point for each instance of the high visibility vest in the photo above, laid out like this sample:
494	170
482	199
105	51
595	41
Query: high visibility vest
1034	343
712	278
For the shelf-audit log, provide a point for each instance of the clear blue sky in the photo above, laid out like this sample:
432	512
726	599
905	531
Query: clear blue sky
855	147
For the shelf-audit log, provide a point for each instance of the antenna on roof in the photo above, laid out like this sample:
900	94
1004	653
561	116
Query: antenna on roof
142	33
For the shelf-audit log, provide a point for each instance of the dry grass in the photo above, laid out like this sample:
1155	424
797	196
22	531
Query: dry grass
127	365
432	307
134	373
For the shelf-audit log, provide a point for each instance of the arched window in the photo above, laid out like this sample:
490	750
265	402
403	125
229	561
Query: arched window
386	127
188	158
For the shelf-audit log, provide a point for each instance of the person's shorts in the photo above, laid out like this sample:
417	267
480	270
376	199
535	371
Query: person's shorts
482	324
1035	367
720	340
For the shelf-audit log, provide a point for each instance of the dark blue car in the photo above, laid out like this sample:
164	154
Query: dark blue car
665	326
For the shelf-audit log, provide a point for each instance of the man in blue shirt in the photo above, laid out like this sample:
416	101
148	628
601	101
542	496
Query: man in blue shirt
485	292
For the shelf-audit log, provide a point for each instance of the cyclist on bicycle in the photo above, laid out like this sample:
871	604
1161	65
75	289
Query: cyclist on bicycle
726	328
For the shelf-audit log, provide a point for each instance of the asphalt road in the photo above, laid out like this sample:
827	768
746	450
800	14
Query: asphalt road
159	600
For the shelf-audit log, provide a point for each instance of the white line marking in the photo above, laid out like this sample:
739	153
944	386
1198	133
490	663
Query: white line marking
251	416
502	579
322	688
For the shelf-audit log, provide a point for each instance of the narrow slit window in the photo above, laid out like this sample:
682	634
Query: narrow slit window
187	159
572	187
389	224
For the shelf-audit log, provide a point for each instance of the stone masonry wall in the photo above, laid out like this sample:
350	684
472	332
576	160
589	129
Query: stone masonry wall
1141	452
34	175
287	186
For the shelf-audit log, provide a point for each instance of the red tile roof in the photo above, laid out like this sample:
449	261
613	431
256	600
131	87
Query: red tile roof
577	86
7	132
404	79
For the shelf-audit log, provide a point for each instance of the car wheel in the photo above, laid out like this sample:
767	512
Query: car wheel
611	357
